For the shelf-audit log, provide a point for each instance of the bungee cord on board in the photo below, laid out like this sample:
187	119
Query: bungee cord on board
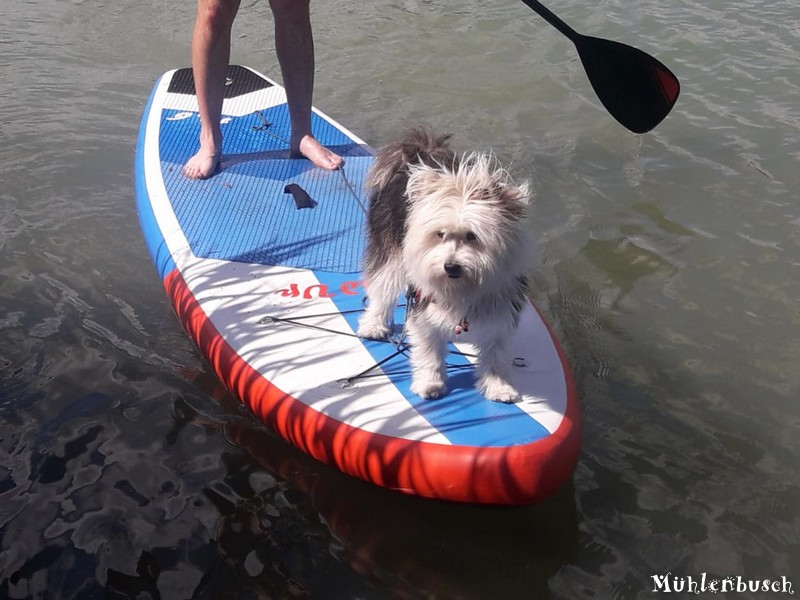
398	339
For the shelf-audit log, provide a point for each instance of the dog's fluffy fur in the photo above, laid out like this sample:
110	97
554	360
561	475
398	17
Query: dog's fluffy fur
452	231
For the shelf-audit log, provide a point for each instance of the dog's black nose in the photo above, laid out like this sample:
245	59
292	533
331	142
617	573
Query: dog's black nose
453	270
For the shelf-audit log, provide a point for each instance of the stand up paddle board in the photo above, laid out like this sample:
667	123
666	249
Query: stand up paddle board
261	263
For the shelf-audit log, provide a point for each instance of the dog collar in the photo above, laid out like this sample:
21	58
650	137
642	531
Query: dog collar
462	327
417	301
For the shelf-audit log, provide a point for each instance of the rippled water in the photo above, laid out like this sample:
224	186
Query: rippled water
670	270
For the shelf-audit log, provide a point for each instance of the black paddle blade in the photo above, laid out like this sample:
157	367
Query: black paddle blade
634	87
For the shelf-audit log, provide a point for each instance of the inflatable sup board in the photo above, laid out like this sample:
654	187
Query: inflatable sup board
261	263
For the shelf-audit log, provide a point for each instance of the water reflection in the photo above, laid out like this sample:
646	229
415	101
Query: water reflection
258	516
418	547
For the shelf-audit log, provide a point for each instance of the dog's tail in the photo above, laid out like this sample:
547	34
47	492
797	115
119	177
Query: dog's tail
419	145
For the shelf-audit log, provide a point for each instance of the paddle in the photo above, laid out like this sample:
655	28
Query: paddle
634	87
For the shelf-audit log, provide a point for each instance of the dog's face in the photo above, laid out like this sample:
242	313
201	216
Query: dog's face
465	225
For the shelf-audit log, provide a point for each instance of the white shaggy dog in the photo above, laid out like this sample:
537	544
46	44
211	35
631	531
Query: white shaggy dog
452	232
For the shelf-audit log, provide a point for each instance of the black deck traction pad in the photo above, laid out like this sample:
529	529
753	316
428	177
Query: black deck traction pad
239	81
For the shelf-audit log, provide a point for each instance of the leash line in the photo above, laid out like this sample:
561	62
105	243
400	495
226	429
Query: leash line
266	124
352	190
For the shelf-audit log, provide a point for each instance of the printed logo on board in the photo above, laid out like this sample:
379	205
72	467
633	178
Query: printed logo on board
348	288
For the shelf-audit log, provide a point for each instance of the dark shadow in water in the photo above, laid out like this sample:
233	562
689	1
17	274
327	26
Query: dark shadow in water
419	547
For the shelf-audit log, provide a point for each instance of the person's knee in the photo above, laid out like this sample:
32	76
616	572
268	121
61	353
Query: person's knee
218	15
289	8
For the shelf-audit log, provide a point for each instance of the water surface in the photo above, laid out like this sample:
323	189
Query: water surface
670	271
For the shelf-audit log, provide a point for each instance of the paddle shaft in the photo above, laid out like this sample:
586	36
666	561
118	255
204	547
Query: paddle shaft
551	18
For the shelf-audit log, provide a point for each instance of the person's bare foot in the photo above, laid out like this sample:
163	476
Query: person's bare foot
202	165
206	161
318	154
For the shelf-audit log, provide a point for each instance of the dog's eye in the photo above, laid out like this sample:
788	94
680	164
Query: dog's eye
440	234
471	237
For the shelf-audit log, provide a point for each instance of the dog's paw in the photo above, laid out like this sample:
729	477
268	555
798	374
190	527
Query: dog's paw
429	388
373	331
498	390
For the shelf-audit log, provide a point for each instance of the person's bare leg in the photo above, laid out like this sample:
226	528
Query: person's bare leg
294	46
211	49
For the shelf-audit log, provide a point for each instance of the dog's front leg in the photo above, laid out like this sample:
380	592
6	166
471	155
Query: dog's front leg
383	288
374	324
428	352
493	372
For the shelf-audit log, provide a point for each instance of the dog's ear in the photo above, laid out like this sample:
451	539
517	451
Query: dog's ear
507	190
519	193
514	199
423	181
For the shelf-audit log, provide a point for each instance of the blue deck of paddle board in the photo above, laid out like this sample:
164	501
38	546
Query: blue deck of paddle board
243	213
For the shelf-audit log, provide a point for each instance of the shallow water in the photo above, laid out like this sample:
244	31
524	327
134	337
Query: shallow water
670	270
